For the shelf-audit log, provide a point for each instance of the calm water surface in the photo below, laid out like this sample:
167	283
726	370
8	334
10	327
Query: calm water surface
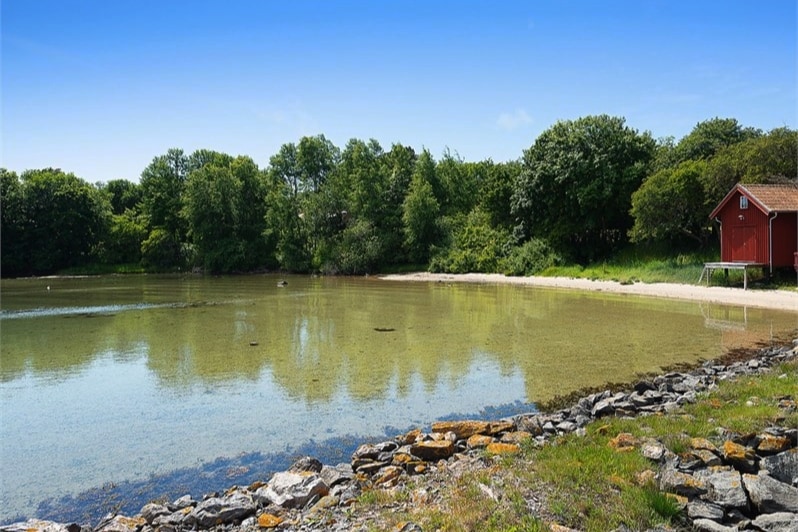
116	390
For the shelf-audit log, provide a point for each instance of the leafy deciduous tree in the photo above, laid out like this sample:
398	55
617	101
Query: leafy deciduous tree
420	210
669	206
576	185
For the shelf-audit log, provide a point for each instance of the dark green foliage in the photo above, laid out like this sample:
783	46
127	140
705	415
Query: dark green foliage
225	213
162	184
669	206
159	249
420	210
673	203
476	247
58	218
663	504
496	183
772	158
12	225
357	250
530	258
576	184
708	138
581	190
124	195
459	184
125	235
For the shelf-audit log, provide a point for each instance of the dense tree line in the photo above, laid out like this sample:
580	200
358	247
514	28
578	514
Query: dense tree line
582	191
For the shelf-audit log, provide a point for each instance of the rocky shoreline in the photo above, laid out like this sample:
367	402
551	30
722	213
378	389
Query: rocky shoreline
749	482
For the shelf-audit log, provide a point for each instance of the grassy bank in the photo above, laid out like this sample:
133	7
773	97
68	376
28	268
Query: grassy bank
588	482
639	264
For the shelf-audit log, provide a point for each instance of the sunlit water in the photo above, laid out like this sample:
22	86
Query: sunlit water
117	390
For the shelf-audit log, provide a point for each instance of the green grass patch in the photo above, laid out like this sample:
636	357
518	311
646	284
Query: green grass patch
640	265
594	487
584	482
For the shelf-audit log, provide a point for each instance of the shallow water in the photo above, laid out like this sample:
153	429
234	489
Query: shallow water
115	390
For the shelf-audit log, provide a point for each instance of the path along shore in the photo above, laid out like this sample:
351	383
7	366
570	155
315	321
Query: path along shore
772	299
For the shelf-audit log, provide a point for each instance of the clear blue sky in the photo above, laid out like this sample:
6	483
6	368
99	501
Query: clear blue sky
100	87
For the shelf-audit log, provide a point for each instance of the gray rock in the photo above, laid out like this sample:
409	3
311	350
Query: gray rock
707	525
644	386
724	488
603	408
782	466
222	510
769	495
698	509
566	426
306	463
119	523
687	398
152	511
34	525
185	501
173	519
373	450
333	475
530	424
708	458
777	522
654	451
292	490
674	481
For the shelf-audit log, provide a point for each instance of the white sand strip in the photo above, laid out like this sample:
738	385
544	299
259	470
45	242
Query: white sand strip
773	299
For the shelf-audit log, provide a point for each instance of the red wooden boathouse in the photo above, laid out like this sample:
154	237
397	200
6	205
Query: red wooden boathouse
759	225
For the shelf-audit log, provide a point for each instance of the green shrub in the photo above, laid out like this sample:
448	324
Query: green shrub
475	247
532	257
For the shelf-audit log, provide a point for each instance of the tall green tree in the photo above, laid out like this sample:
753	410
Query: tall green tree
398	165
316	159
707	138
459	184
224	208
672	205
420	210
771	158
162	184
496	190
285	226
123	195
13	248
65	220
212	211
669	206
576	185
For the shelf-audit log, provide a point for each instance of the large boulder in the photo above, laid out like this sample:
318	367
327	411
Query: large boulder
776	522
292	490
740	457
769	495
725	488
433	450
782	466
673	481
34	525
120	523
222	510
465	429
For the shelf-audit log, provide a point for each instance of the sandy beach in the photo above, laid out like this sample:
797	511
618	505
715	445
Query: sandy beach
772	299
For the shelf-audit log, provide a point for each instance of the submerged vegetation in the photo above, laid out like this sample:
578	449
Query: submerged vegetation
588	196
